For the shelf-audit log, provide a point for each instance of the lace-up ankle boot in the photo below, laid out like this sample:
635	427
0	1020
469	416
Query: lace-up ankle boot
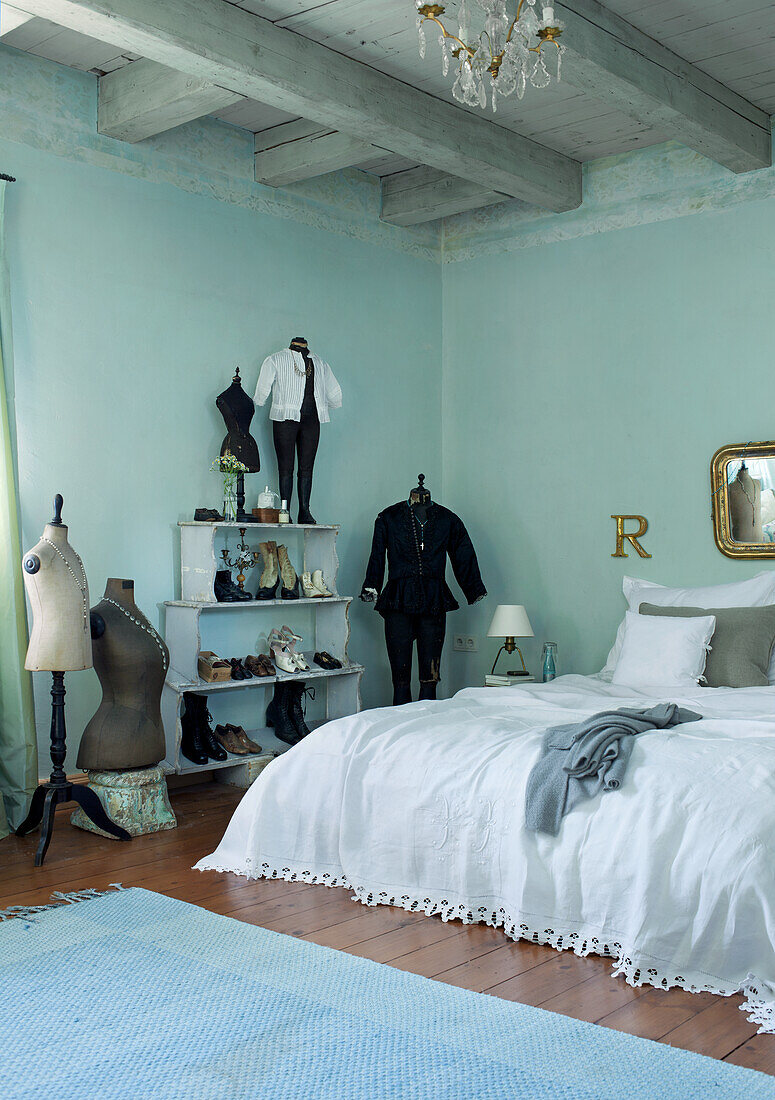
288	575
278	716
295	695
211	743
192	743
270	578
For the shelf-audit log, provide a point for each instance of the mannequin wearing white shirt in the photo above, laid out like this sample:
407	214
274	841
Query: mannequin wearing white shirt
303	389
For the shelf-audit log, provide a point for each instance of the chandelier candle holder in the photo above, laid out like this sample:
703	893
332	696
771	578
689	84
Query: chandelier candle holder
506	54
245	559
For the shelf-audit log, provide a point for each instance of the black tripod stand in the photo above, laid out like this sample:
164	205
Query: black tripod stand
48	795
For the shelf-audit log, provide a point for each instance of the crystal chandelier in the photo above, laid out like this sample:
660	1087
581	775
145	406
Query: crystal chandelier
506	55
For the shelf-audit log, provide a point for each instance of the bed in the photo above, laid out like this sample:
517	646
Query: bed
422	806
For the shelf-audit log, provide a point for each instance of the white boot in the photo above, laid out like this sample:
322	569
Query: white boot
318	582
308	587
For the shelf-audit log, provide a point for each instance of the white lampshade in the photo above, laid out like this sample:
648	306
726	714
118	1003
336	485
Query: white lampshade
510	621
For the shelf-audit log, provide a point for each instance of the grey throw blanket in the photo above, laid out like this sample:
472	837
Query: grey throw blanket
580	759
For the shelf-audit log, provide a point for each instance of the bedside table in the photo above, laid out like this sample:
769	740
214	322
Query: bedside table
507	681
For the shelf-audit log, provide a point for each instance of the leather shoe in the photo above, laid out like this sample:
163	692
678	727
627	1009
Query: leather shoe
260	665
226	737
207	515
243	738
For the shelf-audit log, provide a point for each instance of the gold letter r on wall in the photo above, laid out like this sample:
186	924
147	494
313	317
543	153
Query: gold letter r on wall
632	538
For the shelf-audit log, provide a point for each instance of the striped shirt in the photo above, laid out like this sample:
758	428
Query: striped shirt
283	374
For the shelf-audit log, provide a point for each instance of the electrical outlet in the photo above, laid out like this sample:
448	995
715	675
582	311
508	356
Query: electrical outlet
465	643
472	644
459	642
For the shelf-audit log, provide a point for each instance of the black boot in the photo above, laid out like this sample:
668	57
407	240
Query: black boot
212	745
226	591
192	743
286	489
304	485
278	716
295	695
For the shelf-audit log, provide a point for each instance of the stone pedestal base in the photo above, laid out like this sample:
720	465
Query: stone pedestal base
136	800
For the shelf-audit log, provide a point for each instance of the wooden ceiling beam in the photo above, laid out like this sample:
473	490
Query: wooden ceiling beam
11	18
424	194
302	149
620	65
146	98
250	56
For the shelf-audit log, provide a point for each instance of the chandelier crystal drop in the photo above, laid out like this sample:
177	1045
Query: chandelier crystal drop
507	53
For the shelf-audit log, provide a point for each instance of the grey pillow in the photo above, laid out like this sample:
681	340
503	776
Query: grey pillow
740	646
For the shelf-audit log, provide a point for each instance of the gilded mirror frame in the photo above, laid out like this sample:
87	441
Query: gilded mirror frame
722	529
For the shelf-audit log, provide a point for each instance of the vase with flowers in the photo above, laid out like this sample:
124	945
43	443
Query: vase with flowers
230	468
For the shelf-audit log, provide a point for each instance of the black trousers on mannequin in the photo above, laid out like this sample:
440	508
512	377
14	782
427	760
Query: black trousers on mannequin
296	439
401	632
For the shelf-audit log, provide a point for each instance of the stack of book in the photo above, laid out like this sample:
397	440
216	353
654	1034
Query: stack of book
497	680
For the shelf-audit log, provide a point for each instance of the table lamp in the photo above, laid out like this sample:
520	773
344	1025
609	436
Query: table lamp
510	621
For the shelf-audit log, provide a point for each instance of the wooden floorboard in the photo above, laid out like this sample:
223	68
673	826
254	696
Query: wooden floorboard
472	957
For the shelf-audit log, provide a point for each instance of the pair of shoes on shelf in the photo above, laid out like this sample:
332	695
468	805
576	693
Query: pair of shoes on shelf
314	586
277	571
234	739
207	515
285	713
238	670
259	665
198	742
282	643
326	661
226	591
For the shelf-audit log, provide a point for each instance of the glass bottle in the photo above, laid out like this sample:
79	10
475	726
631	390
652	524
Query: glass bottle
549	662
285	515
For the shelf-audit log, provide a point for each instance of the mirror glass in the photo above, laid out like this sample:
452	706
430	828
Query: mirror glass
743	487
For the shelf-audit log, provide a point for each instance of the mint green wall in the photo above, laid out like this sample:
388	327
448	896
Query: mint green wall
595	376
553	370
133	300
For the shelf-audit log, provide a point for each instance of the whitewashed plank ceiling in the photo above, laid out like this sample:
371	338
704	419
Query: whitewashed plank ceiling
732	41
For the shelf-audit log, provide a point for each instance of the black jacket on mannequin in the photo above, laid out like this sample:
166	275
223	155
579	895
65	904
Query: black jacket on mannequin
417	561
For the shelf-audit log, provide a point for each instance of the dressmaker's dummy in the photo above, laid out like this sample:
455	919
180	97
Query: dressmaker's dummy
131	661
237	409
56	584
745	507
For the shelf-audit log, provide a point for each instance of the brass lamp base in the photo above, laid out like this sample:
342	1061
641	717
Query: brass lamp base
510	646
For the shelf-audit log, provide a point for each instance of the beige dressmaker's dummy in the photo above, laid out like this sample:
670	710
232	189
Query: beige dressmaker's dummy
59	597
60	642
745	507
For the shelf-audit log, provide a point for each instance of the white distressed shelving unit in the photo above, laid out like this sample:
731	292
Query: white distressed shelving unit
198	622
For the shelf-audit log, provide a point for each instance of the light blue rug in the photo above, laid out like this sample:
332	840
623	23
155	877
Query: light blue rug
136	995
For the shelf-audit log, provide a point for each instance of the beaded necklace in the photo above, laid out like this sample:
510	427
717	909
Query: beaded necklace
144	625
82	588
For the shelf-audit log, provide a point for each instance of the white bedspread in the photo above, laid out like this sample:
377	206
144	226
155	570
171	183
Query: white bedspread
422	806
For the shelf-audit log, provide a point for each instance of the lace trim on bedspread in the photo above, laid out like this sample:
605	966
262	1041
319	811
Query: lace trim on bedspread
758	1006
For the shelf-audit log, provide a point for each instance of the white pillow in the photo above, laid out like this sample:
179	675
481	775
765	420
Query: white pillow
672	654
756	592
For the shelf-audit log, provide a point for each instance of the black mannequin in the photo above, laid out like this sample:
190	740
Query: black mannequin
237	409
420	499
299	439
